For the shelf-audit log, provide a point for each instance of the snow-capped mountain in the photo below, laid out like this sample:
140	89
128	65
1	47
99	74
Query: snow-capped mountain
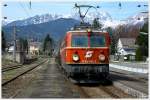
4	23
140	16
56	28
102	16
136	21
38	26
38	19
127	23
127	28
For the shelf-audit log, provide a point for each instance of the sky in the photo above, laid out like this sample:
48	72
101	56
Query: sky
20	9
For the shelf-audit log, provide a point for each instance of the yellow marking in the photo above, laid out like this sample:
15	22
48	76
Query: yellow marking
86	63
86	47
83	48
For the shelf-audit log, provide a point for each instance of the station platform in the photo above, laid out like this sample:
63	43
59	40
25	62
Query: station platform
135	67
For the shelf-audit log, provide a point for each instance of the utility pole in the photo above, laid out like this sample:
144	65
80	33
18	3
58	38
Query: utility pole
14	51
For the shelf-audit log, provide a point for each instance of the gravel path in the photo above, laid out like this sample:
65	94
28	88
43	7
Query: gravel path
48	83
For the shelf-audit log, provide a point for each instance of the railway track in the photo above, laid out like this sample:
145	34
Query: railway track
8	68
101	90
22	73
140	79
114	92
135	85
11	68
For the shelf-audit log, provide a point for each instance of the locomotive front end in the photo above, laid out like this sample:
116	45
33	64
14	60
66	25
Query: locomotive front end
87	53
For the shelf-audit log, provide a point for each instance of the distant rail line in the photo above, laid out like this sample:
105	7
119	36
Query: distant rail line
21	74
11	68
8	68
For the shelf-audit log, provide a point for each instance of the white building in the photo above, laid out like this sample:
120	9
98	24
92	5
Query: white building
126	46
34	48
11	49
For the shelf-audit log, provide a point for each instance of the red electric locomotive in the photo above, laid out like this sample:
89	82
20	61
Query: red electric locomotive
84	53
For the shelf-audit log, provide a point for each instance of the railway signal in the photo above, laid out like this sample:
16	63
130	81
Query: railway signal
139	6
5	5
120	5
142	5
5	17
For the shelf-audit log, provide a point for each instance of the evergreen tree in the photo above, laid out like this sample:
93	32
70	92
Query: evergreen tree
142	42
113	46
113	41
47	45
96	23
3	42
20	45
25	44
145	28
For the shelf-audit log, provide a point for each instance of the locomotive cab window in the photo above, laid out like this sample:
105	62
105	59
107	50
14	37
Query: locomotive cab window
79	41
97	40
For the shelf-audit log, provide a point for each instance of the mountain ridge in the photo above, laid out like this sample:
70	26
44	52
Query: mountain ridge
58	26
56	29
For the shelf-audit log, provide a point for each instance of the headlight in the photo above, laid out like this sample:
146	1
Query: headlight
102	57
75	57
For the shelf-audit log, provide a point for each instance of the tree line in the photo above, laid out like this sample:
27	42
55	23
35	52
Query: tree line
23	44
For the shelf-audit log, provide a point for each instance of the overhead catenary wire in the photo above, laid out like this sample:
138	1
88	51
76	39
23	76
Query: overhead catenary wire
24	9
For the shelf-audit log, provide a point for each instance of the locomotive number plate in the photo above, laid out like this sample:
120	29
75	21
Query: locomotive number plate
88	61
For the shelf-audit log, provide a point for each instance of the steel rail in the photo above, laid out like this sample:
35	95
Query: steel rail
30	69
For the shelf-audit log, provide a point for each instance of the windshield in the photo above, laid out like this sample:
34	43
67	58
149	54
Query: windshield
82	40
97	40
79	41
